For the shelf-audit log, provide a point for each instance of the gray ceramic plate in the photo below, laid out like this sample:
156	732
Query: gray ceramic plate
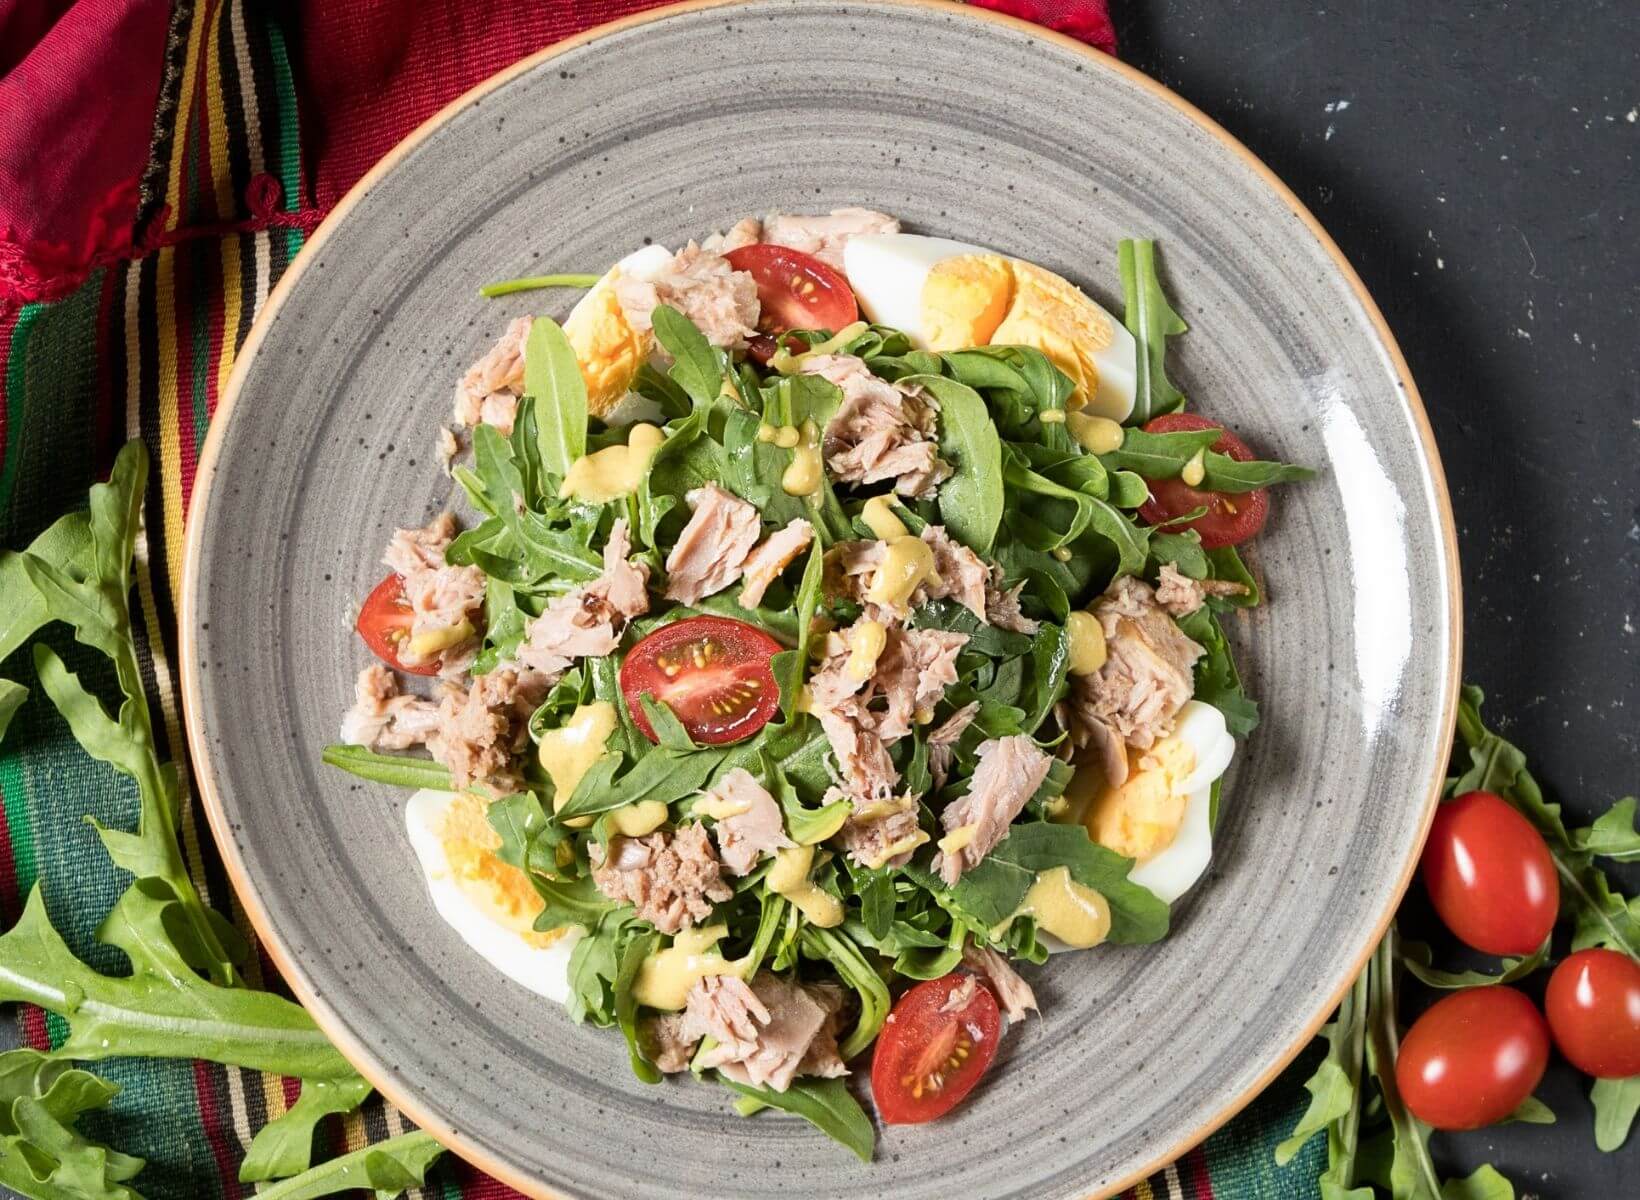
964	125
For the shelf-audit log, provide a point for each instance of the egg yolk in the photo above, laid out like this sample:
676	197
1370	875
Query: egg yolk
964	299
607	348
1052	315
1141	818
499	890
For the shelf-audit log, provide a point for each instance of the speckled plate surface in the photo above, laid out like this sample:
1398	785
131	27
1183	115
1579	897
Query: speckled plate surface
965	125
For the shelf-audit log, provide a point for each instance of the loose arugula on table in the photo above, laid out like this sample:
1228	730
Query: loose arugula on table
1372	1140
185	995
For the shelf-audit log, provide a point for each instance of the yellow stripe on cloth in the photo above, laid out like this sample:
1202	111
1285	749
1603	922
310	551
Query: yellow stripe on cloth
216	121
185	105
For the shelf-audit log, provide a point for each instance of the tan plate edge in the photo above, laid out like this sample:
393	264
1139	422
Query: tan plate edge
322	1014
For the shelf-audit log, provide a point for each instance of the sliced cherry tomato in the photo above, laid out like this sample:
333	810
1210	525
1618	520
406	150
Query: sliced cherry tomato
795	290
1490	875
928	1058
1593	1004
1229	519
1473	1058
712	672
384	623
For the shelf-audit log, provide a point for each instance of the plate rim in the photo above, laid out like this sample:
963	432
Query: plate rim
199	749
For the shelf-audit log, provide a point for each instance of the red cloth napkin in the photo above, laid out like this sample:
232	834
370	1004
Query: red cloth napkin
79	81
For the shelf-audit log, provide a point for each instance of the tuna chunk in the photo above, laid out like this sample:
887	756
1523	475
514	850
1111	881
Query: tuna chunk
963	575
721	301
757	829
1147	677
712	549
880	432
664	1041
587	621
1002	605
671	879
382	718
942	741
447	448
440	596
1181	595
880	832
745	232
488	393
793	1033
764	564
482	730
1009	772
915	668
1014	995
825	237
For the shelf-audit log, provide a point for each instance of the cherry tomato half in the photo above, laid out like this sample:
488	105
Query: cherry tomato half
1229	519
1473	1058
927	1058
795	290
1593	1004
1490	875
384	623
712	672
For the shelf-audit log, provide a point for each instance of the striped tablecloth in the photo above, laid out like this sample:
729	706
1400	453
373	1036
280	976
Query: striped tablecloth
264	113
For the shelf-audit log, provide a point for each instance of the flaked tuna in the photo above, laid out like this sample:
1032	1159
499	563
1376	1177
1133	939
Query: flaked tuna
963	575
671	879
721	301
1009	772
1148	675
881	432
942	741
442	598
712	549
1014	995
745	232
488	393
587	621
382	717
825	237
1180	595
792	1037
1002	605
752	826
771	556
483	730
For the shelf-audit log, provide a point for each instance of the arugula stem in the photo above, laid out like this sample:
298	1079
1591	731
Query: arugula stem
530	283
1576	884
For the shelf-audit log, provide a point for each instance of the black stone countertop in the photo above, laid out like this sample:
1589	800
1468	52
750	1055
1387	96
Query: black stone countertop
1477	164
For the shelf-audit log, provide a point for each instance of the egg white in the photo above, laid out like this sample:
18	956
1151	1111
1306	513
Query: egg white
1175	870
645	263
542	969
888	271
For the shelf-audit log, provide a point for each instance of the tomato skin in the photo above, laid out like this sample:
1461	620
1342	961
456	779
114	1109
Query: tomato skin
1490	875
1229	519
1473	1058
384	622
1593	1004
713	672
919	1044
795	290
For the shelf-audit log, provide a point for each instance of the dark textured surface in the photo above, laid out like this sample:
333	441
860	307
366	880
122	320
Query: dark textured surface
1141	1048
1477	164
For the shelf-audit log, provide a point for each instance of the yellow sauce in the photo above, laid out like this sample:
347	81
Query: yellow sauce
1075	914
1087	638
787	363
665	977
766	432
923	715
1053	416
866	640
894	849
639	819
614	471
1196	469
567	753
803	477
1062	553
719	808
886	807
958	838
1097	435
878	514
907	564
789	877
432	641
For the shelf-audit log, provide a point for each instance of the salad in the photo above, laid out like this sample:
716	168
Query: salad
836	622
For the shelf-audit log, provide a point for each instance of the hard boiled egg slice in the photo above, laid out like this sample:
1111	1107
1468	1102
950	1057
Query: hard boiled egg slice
1159	817
606	346
491	904
949	295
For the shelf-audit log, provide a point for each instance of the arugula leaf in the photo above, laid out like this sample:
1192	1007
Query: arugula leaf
970	501
161	1010
824	1103
398	770
806	826
552	379
1416	957
629	961
668	729
1531	1111
573	902
696	366
1612	836
284	1146
845	958
792	673
1217	681
65	545
387	1167
1226	474
1227	565
1615	1103
1151	320
1483	1184
42	1154
983	637
12	696
1158	455
1335	1093
663	775
1136	916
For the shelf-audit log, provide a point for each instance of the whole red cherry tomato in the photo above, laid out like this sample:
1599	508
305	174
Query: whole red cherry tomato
1490	875
1593	1004
1473	1058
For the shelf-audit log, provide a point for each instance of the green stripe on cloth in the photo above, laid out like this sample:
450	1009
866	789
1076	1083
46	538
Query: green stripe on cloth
16	356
